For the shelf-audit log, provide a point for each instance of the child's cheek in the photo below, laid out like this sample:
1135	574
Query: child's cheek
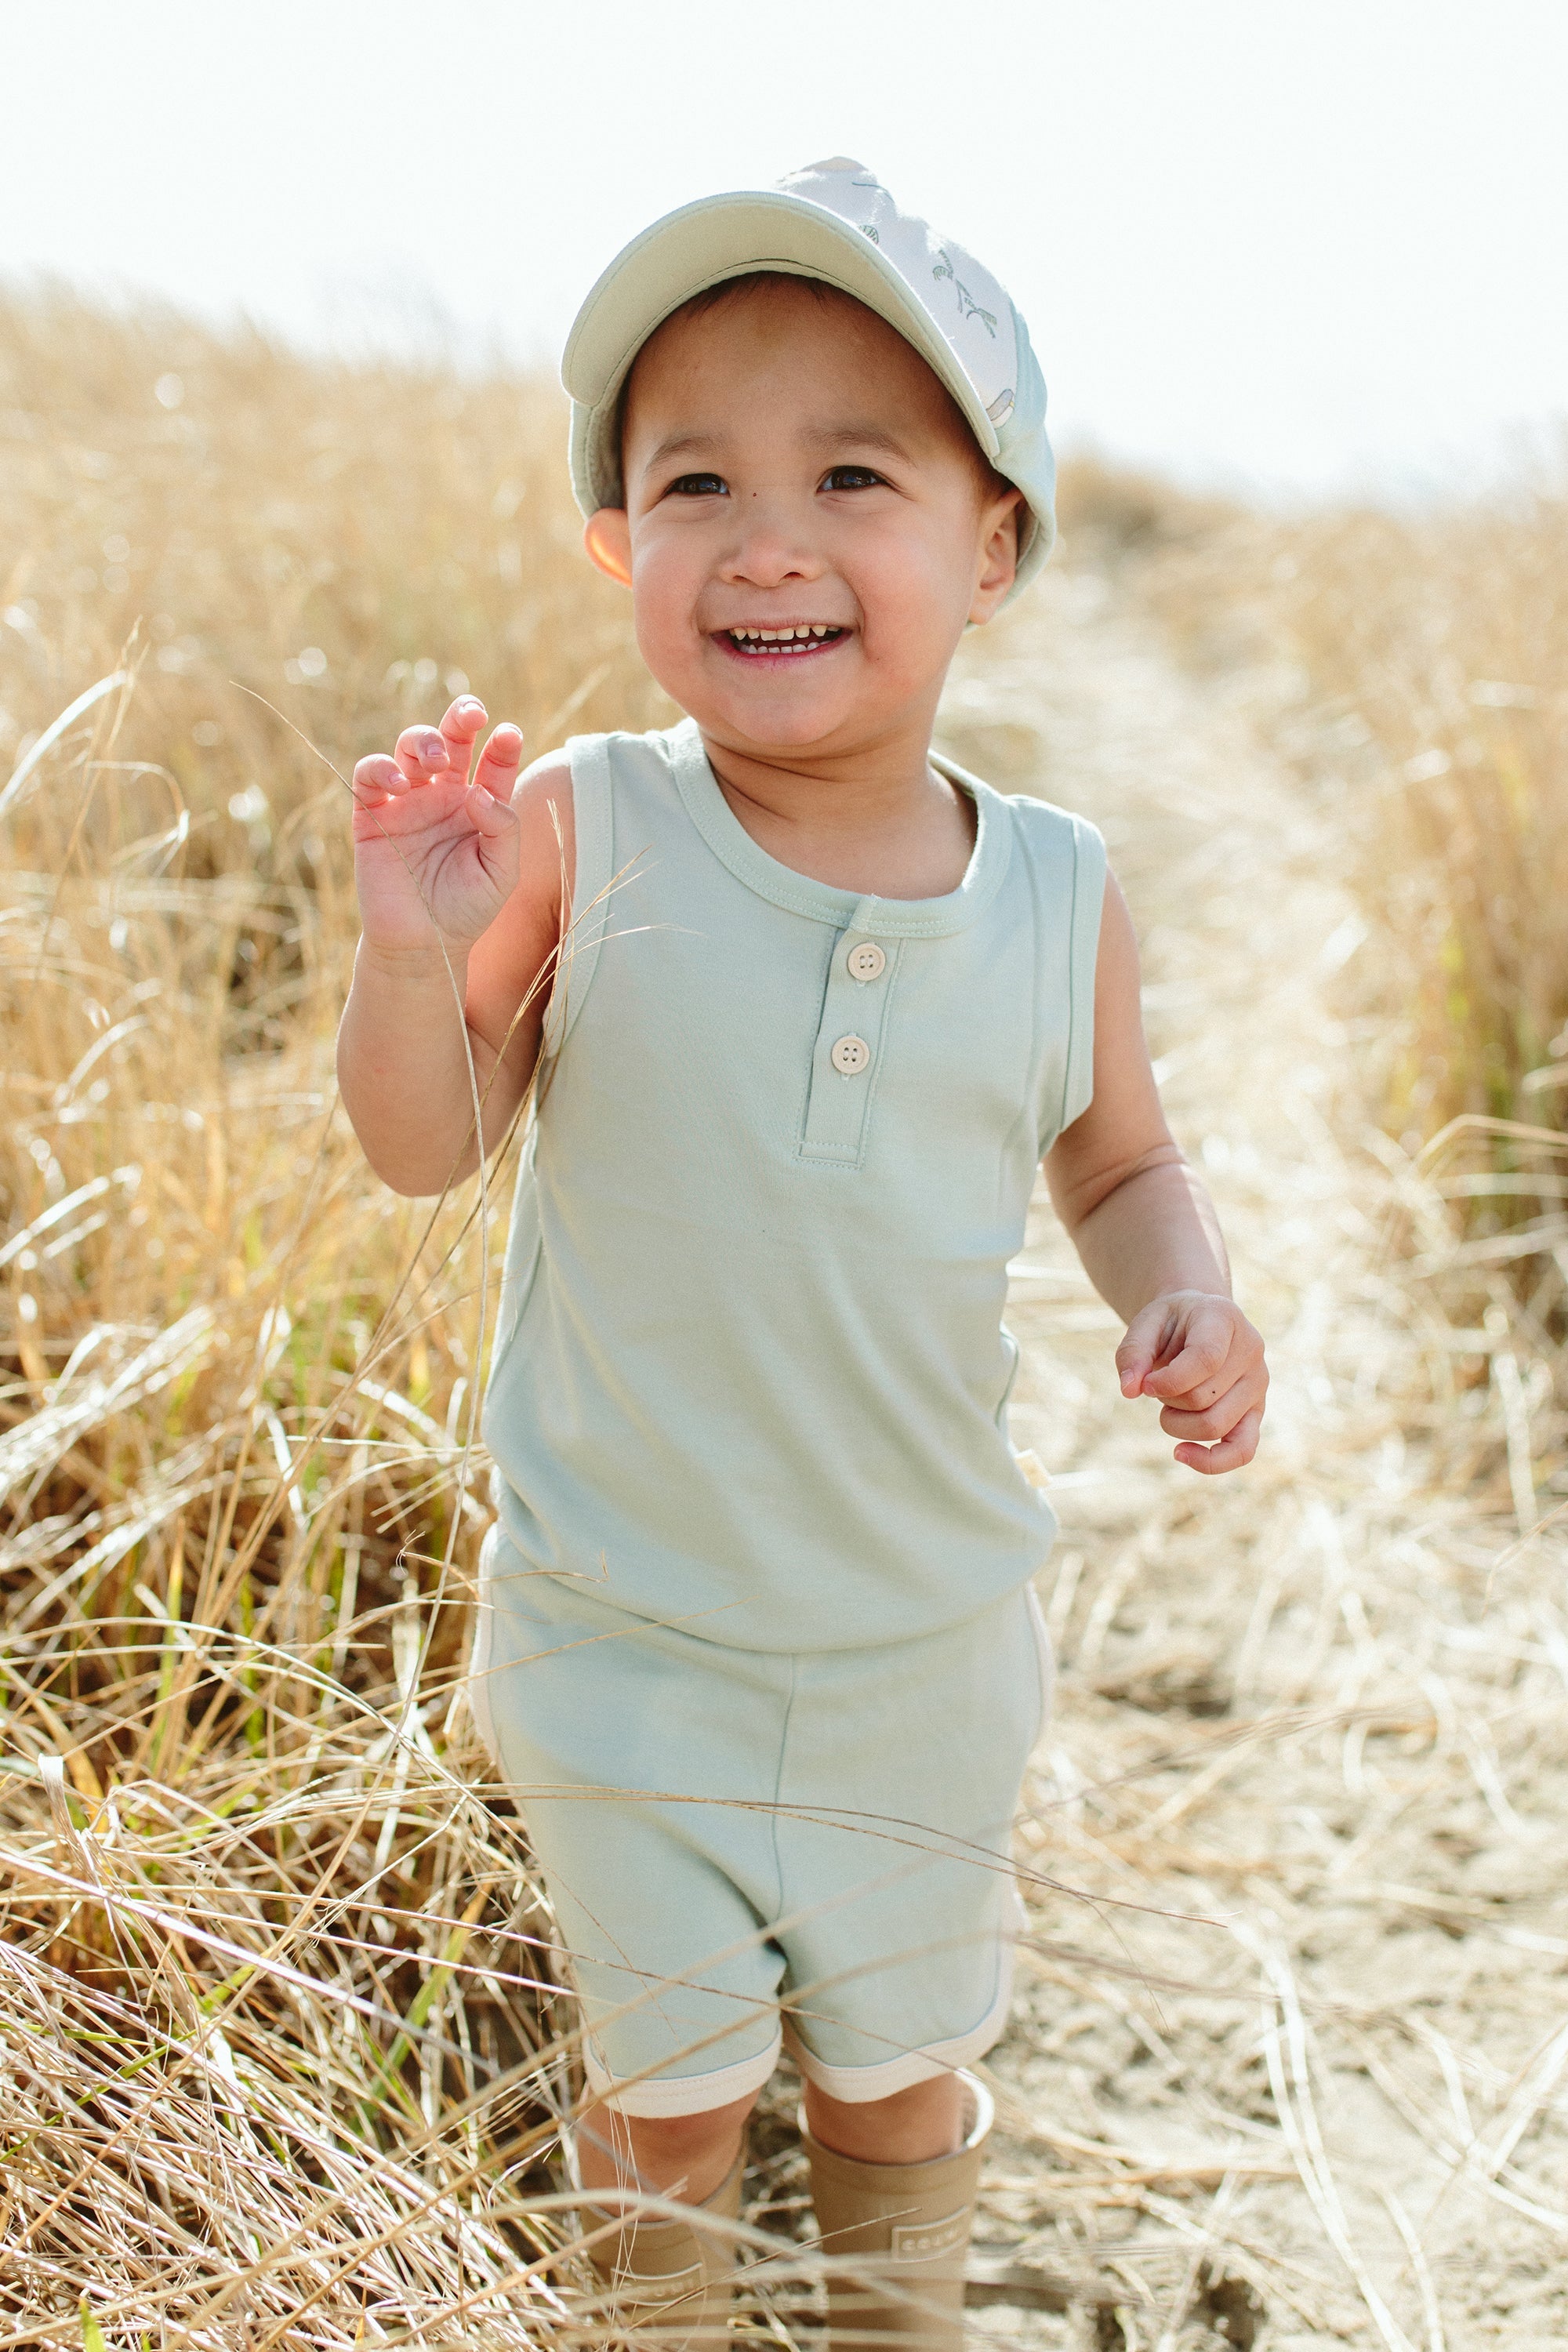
903	586
662	605
910	609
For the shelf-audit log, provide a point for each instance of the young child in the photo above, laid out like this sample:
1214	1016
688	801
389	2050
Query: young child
807	1005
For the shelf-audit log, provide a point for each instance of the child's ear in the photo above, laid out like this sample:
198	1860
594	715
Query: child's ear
607	536
1000	532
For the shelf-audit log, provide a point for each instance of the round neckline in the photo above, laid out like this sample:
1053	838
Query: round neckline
750	863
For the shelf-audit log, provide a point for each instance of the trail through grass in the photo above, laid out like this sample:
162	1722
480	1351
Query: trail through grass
1314	1712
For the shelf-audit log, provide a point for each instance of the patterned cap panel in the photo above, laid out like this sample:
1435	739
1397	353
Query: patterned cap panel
964	303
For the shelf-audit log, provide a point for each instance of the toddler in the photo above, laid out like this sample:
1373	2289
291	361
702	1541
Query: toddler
803	1006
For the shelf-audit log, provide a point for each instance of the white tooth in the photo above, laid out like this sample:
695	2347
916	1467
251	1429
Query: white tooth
769	637
819	629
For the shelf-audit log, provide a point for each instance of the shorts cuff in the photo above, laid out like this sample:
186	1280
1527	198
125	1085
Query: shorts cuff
852	2084
683	2094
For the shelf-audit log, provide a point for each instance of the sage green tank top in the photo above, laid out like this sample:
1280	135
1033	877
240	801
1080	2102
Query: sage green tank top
750	1372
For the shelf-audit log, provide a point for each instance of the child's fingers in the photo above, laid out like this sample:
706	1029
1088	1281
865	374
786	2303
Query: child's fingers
1205	1344
421	753
496	766
1230	1453
1140	1347
461	729
377	780
490	814
1218	1419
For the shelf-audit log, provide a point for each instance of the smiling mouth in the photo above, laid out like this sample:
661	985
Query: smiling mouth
801	639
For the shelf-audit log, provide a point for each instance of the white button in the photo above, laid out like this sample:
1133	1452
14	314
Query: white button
867	962
850	1055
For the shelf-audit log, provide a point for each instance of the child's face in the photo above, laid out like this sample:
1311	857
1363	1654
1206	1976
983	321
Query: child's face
791	462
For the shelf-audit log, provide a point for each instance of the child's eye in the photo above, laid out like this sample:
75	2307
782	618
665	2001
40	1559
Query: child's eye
698	486
851	477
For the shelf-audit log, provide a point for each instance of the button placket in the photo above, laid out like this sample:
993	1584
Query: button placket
849	1042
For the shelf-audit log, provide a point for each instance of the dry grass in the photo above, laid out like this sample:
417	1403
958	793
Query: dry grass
282	2062
289	2082
1418	668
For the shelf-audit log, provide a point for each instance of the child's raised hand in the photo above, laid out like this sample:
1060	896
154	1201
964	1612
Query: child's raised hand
436	838
1196	1351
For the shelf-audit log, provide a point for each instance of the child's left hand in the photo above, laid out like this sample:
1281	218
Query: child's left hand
1196	1351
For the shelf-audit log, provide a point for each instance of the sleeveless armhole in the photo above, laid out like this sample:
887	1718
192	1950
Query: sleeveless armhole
592	820
1083	951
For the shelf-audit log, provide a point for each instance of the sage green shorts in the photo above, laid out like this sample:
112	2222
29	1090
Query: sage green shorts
742	1844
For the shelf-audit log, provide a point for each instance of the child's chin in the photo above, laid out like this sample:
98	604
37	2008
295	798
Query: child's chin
782	710
771	728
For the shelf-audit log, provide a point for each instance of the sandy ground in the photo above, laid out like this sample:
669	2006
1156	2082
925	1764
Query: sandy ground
1289	2049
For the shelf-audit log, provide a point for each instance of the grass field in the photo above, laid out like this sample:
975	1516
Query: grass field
1419	664
282	2055
241	1377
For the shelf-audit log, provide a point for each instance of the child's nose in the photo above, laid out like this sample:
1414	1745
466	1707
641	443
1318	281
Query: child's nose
771	546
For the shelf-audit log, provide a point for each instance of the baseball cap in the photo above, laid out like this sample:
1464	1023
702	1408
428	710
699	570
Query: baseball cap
833	221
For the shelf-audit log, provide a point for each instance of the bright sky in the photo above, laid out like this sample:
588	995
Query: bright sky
1292	243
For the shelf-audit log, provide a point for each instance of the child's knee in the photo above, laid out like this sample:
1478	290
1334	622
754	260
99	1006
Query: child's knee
914	2126
661	2151
674	2137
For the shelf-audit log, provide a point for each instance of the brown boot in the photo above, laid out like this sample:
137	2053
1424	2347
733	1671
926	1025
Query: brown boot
671	2282
910	2224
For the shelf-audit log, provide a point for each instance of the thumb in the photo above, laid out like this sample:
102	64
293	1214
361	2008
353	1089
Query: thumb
1140	1349
492	818
497	837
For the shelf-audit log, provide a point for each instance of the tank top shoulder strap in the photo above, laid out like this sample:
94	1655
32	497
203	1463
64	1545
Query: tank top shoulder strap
1067	857
593	829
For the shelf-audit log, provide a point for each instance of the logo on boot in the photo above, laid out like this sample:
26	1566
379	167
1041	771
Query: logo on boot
926	2242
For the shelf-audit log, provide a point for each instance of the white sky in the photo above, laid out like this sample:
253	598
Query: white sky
1291	243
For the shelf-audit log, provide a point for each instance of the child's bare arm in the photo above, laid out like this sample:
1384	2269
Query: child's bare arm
1146	1232
463	872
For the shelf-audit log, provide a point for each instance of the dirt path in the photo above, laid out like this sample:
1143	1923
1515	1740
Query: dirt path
1288	2057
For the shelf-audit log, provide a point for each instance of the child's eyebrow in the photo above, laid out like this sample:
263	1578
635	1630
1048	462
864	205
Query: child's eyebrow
859	433
678	444
856	432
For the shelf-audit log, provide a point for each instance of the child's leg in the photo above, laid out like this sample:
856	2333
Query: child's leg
878	2166
672	2155
688	2156
671	2278
899	1967
913	2127
898	2227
